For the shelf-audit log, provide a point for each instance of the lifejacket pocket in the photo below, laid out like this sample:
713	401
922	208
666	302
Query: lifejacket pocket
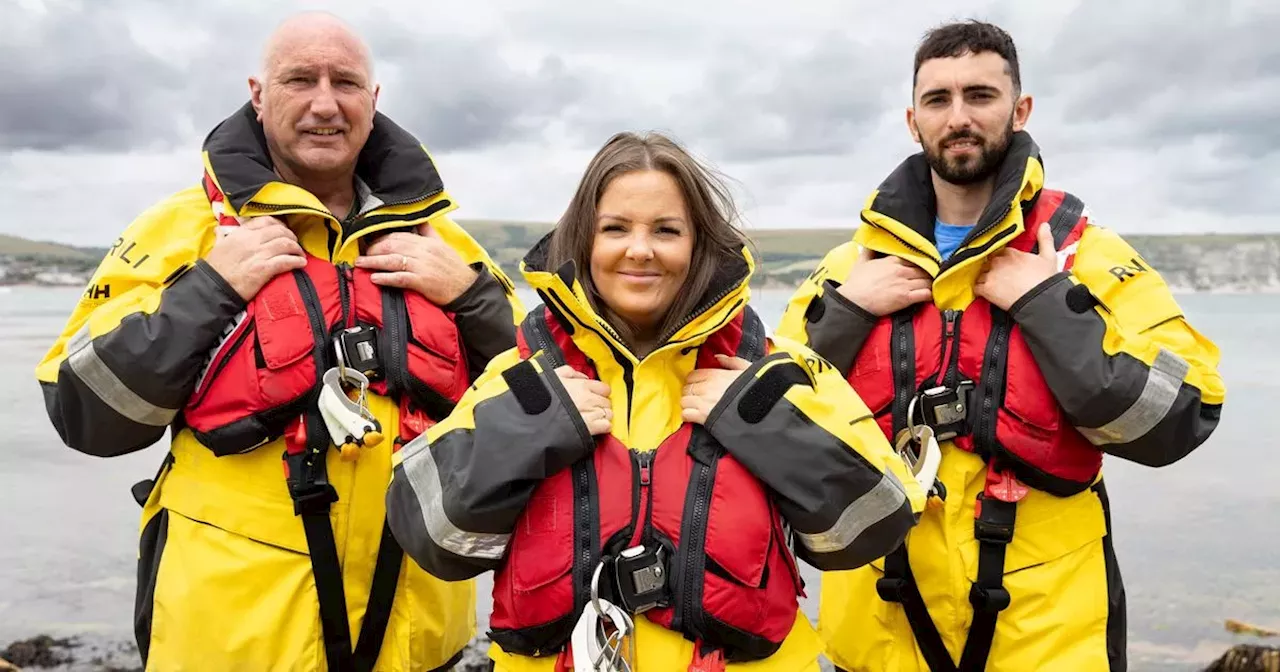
1025	392
245	401
533	589
872	373
735	585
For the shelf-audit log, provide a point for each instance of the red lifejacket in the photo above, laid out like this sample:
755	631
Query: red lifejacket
733	580
1012	415
267	370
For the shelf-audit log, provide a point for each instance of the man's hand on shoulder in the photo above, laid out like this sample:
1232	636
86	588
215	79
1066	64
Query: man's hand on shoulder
250	255
885	285
423	263
1009	274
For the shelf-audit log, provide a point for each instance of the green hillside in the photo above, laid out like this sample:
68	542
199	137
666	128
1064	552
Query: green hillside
13	246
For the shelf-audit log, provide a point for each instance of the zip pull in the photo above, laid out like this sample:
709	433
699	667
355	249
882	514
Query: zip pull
646	464
949	322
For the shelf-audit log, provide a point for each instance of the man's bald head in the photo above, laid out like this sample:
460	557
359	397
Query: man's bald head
310	28
315	98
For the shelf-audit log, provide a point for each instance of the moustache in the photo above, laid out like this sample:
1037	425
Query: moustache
962	135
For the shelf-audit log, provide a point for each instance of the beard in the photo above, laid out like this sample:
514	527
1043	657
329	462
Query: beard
966	170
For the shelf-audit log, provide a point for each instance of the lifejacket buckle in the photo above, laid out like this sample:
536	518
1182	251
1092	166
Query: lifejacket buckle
357	348
640	578
945	409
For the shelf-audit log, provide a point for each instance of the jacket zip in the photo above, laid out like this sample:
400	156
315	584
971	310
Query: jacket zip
643	525
346	281
898	238
986	439
950	347
688	614
393	313
904	365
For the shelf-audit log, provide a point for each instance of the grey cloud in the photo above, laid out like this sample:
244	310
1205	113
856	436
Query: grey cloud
459	94
1165	73
77	80
756	105
80	80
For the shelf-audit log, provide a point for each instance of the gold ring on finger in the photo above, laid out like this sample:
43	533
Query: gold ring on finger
404	262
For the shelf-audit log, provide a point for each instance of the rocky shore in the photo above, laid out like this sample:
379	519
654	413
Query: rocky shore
74	654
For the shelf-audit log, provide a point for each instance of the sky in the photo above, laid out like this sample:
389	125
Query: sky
1163	116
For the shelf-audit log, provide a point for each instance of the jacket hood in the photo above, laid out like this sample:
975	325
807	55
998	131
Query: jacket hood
393	164
397	182
561	291
899	215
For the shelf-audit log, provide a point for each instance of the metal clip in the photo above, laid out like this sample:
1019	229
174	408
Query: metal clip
601	640
351	426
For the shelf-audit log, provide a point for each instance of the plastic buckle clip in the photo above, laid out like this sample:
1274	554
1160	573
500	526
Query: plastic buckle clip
357	348
891	589
640	577
946	409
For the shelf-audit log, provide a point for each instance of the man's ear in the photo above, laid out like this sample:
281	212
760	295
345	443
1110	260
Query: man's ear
255	95
911	124
1022	111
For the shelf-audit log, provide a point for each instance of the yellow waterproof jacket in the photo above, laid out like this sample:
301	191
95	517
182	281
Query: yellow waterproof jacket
1066	607
225	580
462	487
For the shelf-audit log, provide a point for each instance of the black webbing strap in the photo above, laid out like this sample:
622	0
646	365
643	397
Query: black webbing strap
993	528
386	575
312	496
899	585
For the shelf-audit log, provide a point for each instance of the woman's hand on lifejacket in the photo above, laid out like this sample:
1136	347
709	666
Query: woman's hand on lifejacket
591	397
885	285
422	263
250	255
1009	274
704	388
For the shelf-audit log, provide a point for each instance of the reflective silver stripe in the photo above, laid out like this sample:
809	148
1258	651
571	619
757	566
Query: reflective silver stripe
93	372
879	503
1163	382
424	478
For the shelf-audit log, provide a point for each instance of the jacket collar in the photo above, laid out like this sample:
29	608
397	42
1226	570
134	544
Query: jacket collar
393	168
560	290
899	216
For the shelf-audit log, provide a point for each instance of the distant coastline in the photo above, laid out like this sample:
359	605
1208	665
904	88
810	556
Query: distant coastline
1206	263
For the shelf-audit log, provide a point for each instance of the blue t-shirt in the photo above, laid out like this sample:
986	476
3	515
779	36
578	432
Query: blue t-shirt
948	236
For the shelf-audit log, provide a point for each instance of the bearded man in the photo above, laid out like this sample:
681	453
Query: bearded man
1005	343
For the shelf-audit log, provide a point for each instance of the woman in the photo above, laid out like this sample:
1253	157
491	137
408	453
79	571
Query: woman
631	467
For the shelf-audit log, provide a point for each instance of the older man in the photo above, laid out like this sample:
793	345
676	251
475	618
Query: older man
309	301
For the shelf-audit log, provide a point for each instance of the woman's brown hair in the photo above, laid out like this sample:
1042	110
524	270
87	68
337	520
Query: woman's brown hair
717	240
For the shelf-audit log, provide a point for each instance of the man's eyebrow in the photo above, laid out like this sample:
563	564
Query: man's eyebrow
348	73
981	88
297	70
